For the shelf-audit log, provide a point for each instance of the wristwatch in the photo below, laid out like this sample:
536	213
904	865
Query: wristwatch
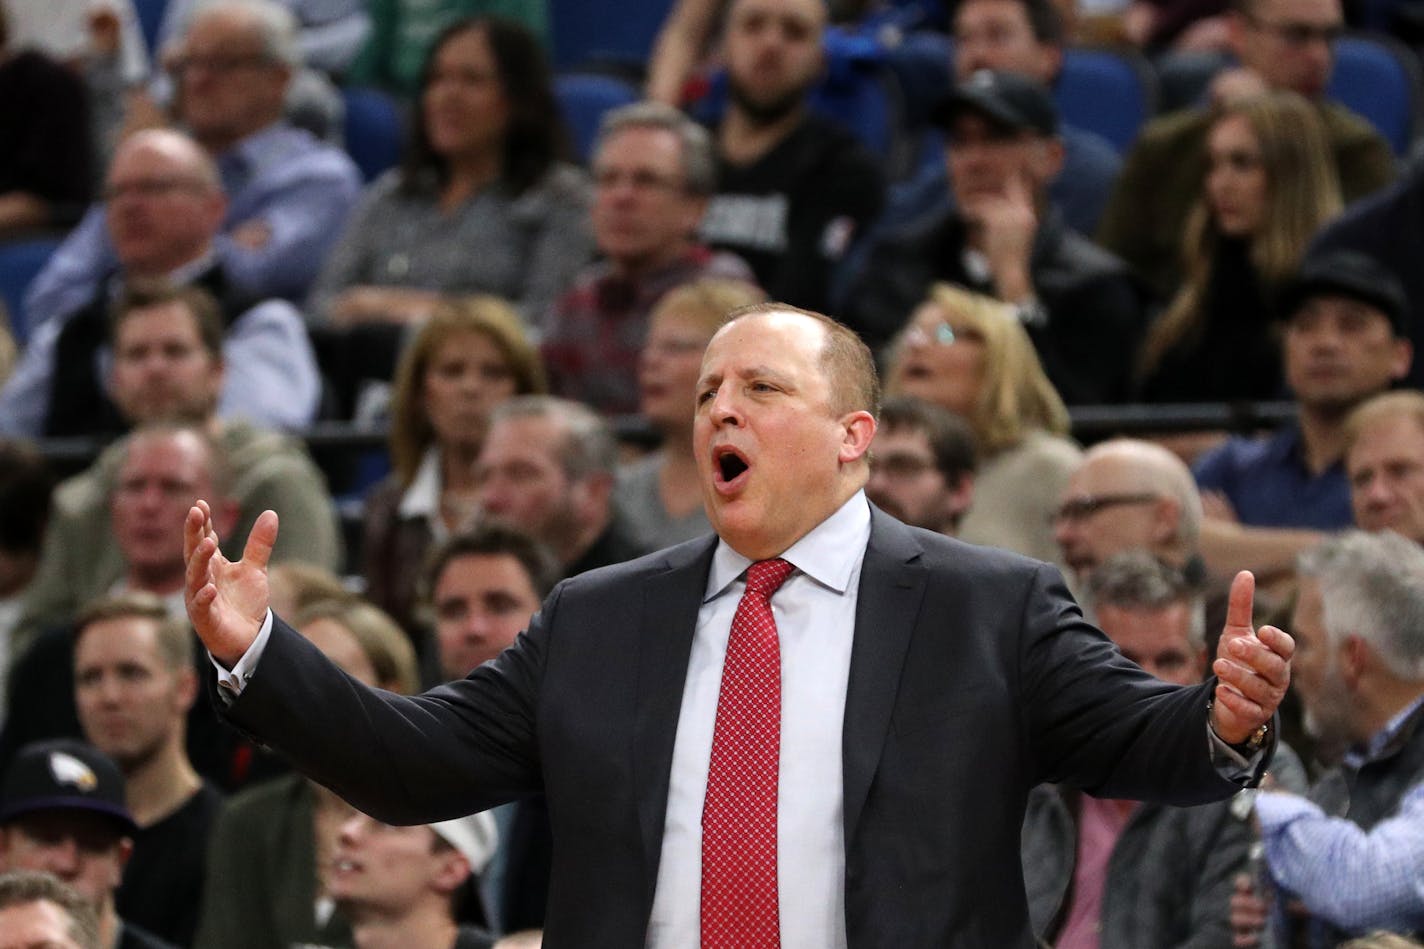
1254	742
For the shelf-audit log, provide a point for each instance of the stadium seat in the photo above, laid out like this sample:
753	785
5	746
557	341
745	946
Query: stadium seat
20	262
1110	92
583	32
584	97
1378	78
374	130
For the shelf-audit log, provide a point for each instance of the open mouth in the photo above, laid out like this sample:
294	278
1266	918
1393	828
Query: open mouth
730	466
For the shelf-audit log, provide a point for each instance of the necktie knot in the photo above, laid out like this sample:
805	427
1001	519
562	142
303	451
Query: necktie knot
765	577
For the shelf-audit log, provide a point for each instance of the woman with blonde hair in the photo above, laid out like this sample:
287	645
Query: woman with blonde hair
970	354
1270	185
660	495
470	356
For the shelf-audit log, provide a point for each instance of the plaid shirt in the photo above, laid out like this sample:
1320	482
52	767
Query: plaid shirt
596	329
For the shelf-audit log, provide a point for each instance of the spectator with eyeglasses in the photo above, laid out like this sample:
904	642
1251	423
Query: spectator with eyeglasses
969	354
1282	45
287	192
164	208
1128	495
653	173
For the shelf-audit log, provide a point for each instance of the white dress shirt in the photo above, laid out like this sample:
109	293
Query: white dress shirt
815	621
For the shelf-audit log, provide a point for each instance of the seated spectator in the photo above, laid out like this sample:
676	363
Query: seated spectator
653	174
395	54
271	856
660	495
264	470
470	356
287	193
164	211
1124	874
481	203
45	175
793	189
160	472
1079	305
1267	188
102	42
1345	341
482	586
329	33
1389	227
25	488
1028	37
134	685
969	354
1384	461
62	811
1344	860
922	465
1282	45
38	910
399	886
547	468
1129	495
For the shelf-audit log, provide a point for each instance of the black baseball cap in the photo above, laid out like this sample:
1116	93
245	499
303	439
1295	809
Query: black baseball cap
1009	100
64	775
1355	276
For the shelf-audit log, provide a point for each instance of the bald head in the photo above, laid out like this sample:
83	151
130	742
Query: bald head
1128	495
163	201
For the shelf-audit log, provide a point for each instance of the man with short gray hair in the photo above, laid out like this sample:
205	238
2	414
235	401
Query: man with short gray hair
547	468
1352	852
1129	874
653	173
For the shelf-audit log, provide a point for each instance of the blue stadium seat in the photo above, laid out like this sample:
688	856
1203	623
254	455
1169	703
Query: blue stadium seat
20	262
583	32
374	130
584	97
1110	92
1377	77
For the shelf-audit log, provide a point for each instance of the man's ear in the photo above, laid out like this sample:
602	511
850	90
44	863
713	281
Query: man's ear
1402	358
1355	658
451	871
859	432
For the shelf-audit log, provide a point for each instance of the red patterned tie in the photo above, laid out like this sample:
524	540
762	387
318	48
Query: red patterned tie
739	901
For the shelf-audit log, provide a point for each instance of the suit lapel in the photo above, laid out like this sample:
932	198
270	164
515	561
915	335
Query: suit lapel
671	601
891	586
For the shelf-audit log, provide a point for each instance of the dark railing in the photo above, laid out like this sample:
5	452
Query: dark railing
339	447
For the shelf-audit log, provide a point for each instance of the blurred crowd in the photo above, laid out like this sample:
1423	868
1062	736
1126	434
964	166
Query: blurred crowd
485	269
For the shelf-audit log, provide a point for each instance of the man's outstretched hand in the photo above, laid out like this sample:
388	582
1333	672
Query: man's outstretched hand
226	601
1252	668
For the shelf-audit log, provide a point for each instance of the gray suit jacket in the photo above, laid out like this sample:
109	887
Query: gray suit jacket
973	677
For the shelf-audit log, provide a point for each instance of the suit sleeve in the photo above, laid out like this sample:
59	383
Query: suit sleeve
462	747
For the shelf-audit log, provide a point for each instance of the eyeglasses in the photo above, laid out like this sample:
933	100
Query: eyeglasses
1300	34
1085	506
638	180
218	63
151	188
941	334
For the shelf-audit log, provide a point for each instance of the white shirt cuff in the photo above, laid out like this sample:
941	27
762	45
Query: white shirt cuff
232	681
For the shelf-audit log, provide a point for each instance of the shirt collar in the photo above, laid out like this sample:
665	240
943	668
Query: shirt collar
828	553
235	165
422	497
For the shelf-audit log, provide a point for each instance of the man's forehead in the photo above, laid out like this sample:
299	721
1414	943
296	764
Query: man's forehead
812	12
639	146
155	320
1296	11
1399	435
